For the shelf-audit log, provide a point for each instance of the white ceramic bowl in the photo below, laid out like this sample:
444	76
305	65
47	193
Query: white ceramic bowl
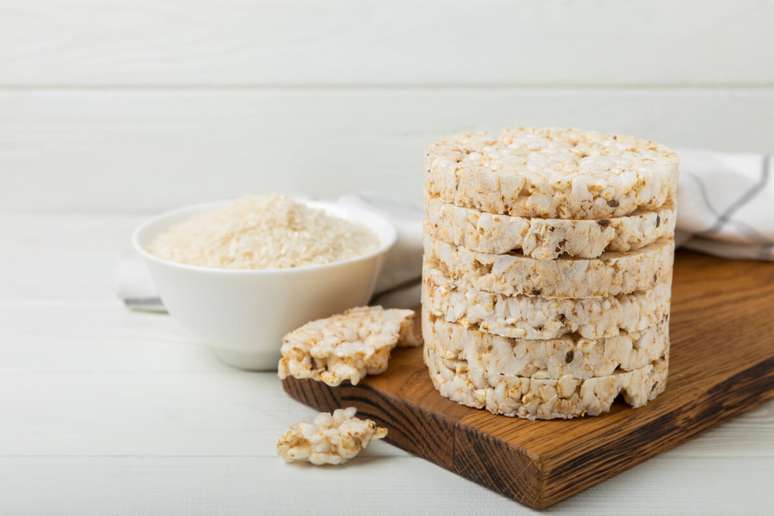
243	314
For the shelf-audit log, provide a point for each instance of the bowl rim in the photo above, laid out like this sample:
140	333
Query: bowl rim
385	244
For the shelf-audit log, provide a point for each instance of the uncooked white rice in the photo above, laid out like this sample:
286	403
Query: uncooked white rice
261	232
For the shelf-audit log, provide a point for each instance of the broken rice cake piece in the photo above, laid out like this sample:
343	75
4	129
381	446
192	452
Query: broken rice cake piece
347	346
329	439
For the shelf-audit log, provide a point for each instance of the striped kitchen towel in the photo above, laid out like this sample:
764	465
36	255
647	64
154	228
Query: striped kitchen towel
726	204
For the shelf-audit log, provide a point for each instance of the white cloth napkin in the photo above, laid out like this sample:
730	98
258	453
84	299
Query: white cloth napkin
726	208
726	204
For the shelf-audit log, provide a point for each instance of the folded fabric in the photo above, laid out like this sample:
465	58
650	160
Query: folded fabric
726	204
725	208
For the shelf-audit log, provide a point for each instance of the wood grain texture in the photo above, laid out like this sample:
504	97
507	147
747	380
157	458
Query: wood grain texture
722	363
146	43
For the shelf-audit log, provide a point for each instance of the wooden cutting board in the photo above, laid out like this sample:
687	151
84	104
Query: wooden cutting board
721	364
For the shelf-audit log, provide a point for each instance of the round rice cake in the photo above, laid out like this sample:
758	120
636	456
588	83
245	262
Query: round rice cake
532	398
552	173
490	356
611	274
545	239
527	317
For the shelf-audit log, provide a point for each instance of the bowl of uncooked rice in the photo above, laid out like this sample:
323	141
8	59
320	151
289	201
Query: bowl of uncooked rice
241	274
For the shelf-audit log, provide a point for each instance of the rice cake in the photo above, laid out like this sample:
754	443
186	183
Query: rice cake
544	239
552	173
611	274
528	317
532	398
488	356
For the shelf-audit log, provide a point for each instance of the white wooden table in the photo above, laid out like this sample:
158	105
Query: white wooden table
103	411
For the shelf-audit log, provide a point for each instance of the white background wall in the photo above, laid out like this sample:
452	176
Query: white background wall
135	106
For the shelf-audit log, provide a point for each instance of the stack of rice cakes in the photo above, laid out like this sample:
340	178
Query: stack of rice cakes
547	270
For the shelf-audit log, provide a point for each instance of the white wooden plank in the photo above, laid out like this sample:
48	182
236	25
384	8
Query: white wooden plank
231	486
384	485
101	409
96	337
227	413
62	258
665	485
239	42
147	151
